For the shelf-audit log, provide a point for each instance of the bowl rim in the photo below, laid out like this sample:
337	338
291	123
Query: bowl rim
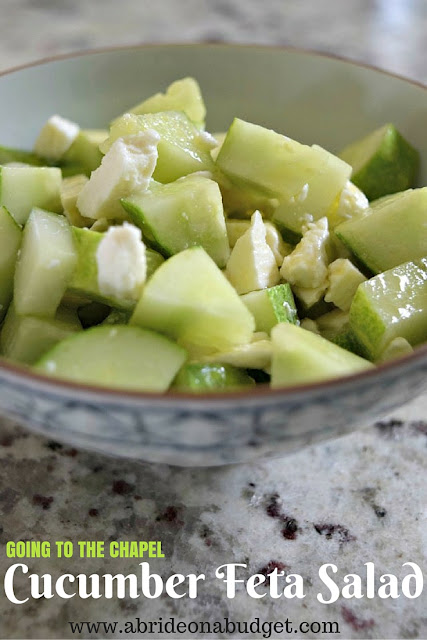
260	391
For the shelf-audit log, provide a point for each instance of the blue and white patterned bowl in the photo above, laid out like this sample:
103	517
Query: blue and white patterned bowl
311	97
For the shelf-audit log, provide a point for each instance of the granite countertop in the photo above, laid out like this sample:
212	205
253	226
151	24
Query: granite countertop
350	501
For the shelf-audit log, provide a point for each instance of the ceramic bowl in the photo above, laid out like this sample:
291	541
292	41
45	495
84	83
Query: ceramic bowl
311	97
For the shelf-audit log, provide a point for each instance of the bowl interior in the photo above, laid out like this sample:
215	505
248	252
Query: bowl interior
313	98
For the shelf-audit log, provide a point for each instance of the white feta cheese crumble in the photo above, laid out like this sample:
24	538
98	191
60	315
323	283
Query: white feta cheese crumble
121	262
303	193
252	264
236	228
306	218
276	243
208	140
352	202
50	366
125	168
344	278
310	296
307	265
56	137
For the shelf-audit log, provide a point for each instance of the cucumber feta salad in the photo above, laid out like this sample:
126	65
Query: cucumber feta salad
153	255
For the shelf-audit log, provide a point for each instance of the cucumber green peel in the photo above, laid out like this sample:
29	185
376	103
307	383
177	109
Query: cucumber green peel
383	162
10	242
182	214
393	232
391	305
8	154
271	306
26	338
46	261
189	299
300	356
202	378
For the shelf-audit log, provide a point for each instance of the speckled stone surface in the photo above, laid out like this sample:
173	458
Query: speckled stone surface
389	33
359	499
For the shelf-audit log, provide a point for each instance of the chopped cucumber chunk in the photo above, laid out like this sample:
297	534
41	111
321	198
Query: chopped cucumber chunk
189	299
335	326
310	325
182	214
127	167
271	306
235	224
84	151
301	356
23	188
111	268
347	339
252	355
10	241
219	136
393	232
154	260
202	377
182	95
115	356
343	280
45	264
383	162
9	154
26	338
316	196
265	159
70	191
241	200
102	224
307	180
182	149
332	322
55	138
395	349
391	305
235	229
